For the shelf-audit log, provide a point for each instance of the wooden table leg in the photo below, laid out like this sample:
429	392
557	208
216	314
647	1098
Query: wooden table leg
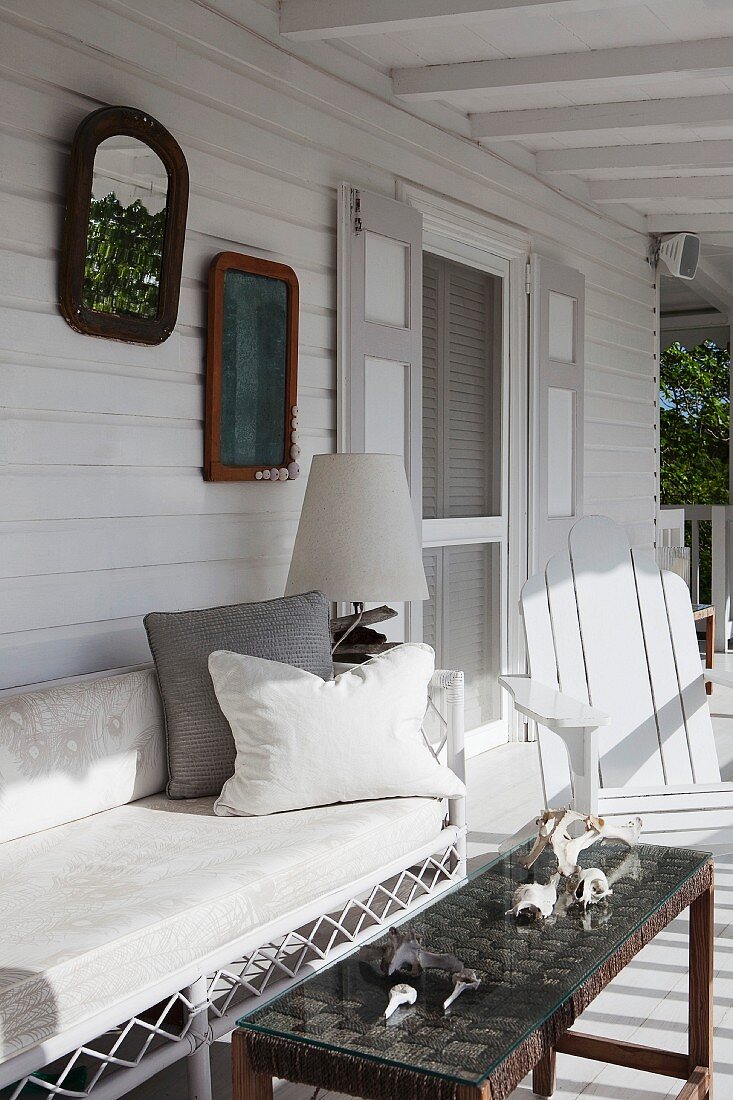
709	645
702	929
544	1075
246	1084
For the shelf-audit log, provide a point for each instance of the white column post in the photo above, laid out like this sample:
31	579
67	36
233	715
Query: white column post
695	561
720	595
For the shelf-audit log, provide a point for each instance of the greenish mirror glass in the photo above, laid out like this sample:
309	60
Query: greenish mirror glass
252	426
253	369
126	230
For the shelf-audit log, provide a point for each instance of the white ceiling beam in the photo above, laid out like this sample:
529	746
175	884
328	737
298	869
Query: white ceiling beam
664	187
690	223
673	154
708	56
314	19
713	290
539	121
687	319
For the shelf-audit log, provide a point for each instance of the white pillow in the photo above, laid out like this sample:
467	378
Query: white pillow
302	741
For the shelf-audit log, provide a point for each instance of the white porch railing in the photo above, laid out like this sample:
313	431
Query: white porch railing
670	534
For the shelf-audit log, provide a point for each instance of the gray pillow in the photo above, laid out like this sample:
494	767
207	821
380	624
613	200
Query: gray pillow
293	630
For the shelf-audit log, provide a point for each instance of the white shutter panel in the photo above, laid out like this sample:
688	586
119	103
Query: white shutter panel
380	341
557	334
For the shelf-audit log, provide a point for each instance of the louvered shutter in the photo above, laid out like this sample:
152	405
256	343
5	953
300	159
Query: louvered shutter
431	560
469	379
472	635
461	396
461	404
431	403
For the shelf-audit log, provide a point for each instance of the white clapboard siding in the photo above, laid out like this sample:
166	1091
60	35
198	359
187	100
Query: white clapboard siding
102	440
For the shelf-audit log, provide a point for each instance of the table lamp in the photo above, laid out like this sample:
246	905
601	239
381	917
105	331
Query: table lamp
357	542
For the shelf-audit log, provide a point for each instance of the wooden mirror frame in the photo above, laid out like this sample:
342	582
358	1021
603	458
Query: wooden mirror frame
102	124
214	468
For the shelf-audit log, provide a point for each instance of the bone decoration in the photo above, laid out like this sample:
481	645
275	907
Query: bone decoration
536	900
403	953
400	995
628	834
462	980
554	828
591	886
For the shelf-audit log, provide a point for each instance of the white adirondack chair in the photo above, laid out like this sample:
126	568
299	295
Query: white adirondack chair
618	690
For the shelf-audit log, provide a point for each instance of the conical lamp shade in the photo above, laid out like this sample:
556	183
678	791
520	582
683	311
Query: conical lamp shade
356	539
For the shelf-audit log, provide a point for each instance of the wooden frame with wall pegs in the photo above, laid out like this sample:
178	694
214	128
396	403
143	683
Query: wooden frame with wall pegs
251	430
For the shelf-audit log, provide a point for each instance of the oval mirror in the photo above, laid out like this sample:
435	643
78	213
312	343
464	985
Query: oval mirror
125	228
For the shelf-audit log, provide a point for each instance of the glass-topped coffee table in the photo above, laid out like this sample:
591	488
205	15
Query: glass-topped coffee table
329	1030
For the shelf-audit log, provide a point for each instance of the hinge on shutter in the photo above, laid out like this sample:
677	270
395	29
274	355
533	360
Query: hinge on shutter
528	277
356	210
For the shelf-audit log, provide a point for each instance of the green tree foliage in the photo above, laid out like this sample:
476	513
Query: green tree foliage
124	253
694	430
695	424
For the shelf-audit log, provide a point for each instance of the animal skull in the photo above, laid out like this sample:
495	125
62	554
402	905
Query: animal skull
590	887
536	899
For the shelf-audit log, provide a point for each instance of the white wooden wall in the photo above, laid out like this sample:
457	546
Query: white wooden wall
103	511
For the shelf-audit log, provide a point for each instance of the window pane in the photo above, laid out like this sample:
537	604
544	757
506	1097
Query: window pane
461	391
461	621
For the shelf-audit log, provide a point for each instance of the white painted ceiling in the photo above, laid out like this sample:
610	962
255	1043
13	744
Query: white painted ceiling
680	188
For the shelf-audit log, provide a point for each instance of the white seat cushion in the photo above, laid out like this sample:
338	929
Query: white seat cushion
98	910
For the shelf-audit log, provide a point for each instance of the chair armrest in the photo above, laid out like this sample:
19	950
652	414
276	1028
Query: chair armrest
712	676
551	708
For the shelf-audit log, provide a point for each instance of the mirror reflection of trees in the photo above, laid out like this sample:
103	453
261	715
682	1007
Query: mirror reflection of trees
123	258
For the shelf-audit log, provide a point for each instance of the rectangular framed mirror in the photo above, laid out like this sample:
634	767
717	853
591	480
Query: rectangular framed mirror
251	428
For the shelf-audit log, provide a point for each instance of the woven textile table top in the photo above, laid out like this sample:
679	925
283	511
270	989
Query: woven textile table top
528	971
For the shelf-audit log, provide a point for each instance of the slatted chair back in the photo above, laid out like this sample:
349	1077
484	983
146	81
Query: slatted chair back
606	626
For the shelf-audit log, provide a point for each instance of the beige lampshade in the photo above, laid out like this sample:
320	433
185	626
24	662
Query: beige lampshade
356	539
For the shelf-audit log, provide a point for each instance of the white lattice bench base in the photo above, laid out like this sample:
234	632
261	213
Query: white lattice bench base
187	1022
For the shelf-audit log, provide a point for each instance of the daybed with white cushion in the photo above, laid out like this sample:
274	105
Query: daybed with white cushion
134	929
